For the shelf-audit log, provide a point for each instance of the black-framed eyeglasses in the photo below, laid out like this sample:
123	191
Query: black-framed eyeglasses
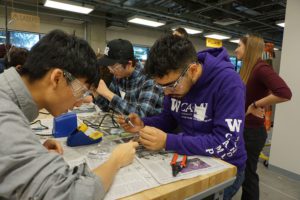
80	91
175	83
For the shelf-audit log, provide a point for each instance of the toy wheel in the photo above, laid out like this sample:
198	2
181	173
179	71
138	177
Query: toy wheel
266	163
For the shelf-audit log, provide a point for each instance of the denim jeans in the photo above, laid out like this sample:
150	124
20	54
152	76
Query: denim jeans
230	191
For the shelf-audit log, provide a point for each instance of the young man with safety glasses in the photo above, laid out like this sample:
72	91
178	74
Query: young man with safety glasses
131	90
57	76
205	97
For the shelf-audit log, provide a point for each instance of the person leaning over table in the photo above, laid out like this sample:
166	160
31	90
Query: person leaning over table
56	76
204	96
130	90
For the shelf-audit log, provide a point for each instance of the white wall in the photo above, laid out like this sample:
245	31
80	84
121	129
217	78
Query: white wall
97	35
137	35
286	137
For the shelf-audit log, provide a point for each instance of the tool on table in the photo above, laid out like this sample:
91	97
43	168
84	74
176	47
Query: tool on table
127	120
84	135
178	166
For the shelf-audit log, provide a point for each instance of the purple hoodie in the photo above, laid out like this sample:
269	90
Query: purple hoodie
211	115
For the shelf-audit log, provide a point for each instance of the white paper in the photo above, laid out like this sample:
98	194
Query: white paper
160	168
130	180
39	130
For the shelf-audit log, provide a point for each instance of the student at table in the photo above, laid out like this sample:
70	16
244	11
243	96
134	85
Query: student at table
130	90
57	74
204	96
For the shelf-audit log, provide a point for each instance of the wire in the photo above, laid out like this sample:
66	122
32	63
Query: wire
45	113
99	125
42	127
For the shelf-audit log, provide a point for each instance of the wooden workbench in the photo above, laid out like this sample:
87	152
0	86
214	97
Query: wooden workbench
202	185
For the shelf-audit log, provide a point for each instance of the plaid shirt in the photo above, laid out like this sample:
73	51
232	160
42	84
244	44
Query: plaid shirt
142	96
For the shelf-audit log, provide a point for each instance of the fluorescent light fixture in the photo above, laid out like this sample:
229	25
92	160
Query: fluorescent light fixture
217	36
276	49
2	36
189	30
235	40
69	6
145	21
280	23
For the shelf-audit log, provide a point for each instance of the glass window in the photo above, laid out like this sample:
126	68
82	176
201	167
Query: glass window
238	66
141	53
23	39
2	37
233	60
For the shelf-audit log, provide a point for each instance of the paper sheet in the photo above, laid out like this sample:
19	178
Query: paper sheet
40	130
196	166
149	169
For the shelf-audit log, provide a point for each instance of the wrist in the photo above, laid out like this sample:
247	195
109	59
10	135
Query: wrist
109	95
114	162
143	125
165	141
93	97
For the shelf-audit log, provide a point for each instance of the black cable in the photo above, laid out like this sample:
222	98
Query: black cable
41	128
98	125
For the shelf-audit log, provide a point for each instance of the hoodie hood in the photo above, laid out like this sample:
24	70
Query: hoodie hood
213	61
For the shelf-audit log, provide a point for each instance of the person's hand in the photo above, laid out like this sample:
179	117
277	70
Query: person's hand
258	112
153	138
135	120
104	91
124	154
88	99
53	145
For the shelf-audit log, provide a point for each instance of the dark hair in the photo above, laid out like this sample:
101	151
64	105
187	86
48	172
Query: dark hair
60	50
104	72
133	63
169	53
15	56
182	32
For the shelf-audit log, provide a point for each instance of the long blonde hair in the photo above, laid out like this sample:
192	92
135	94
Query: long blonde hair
254	47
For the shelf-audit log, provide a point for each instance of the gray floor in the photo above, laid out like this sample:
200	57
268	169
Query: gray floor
274	186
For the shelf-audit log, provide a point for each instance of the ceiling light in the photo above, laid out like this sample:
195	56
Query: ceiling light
276	49
189	30
2	36
280	23
234	40
69	6
145	21
217	36
226	21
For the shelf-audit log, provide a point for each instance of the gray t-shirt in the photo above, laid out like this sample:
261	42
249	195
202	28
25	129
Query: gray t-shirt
27	169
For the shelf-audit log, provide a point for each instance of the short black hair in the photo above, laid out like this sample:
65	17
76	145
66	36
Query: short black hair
169	53
61	50
182	32
16	56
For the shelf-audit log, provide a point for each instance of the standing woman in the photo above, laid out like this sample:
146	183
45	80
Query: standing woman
263	88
